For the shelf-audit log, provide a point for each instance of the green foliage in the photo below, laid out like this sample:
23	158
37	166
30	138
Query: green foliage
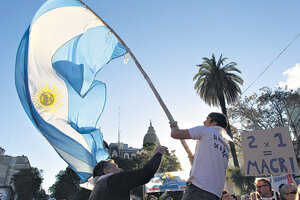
42	195
264	111
169	163
66	185
215	80
145	154
126	164
270	109
245	184
149	147
217	85
27	183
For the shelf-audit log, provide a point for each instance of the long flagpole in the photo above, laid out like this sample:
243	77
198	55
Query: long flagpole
145	76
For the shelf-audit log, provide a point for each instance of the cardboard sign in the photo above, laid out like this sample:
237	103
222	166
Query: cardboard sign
168	181
268	152
282	179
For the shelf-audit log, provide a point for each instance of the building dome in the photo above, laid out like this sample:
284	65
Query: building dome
151	137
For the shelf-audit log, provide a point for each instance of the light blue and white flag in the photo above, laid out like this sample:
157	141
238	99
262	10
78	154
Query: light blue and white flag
58	57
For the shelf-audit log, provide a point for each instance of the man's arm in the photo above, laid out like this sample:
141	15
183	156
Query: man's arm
180	134
125	181
177	133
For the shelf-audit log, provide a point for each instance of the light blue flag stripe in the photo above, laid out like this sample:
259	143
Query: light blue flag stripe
53	135
76	62
87	57
21	75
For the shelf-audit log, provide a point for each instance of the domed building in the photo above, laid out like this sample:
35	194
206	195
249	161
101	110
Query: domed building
151	137
122	150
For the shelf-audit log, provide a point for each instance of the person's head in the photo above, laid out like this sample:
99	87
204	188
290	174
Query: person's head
105	167
233	197
288	192
226	196
216	119
280	190
152	197
263	187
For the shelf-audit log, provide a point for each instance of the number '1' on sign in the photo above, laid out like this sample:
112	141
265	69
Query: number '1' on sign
268	152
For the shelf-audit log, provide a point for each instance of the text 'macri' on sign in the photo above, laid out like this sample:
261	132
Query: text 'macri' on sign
268	152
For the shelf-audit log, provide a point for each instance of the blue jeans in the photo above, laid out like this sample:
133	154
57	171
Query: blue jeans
194	193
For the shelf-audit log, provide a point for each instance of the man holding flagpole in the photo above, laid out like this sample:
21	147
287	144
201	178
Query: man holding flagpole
210	161
111	183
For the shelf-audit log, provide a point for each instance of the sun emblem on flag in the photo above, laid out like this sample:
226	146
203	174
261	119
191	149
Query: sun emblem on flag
47	98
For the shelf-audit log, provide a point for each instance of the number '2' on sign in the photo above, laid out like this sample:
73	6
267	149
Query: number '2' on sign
268	152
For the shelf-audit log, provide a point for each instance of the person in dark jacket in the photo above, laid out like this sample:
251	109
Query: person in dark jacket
115	184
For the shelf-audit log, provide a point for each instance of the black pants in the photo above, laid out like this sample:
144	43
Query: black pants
192	192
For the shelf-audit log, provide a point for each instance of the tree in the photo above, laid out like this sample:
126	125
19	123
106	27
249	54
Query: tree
66	185
245	184
27	183
126	164
272	108
42	195
217	85
268	110
169	161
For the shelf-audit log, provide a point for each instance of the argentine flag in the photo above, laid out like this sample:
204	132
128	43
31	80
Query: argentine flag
58	57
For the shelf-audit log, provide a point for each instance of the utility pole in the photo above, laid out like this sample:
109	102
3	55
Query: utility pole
119	129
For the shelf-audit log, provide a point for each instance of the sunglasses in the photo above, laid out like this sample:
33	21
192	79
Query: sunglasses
293	192
261	186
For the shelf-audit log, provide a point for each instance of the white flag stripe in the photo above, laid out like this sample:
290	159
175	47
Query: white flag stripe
40	71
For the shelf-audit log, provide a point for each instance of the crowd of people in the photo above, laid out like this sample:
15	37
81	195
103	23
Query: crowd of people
207	175
264	191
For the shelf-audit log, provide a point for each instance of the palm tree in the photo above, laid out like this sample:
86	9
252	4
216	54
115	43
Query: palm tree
216	82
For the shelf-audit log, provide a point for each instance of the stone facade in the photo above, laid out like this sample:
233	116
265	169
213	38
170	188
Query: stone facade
121	150
9	165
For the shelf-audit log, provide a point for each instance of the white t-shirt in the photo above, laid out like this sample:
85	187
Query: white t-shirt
210	160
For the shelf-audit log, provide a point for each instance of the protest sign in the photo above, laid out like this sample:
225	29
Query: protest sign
268	152
281	179
168	181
